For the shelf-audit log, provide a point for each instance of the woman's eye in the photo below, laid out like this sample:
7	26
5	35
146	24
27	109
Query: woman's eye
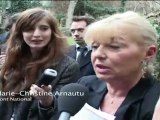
114	46
94	47
44	28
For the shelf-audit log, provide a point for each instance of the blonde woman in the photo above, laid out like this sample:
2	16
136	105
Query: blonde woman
123	48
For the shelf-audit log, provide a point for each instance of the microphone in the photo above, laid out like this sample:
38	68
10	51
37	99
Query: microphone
72	98
47	77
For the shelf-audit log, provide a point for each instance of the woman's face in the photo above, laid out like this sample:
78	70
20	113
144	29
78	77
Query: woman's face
39	36
116	57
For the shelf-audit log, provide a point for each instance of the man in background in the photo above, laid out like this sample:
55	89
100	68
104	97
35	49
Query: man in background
80	51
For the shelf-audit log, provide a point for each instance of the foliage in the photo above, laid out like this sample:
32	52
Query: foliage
65	31
60	17
2	5
95	9
70	41
123	3
21	5
156	25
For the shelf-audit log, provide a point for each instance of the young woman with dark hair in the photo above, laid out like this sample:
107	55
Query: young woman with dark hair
35	45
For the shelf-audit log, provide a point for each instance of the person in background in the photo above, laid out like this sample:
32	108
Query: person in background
10	26
81	52
124	46
4	37
35	45
156	115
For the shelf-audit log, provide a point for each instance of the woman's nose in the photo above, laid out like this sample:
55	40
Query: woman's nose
99	53
36	33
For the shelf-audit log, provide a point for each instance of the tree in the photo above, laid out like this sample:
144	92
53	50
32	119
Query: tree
21	5
97	8
70	11
123	4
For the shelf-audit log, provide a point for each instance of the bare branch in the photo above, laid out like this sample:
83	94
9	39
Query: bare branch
153	15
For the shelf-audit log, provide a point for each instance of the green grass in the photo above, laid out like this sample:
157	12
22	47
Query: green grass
70	41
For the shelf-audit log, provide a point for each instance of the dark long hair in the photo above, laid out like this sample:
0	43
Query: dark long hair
20	70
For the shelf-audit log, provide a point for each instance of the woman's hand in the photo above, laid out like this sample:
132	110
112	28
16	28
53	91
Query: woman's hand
43	94
156	115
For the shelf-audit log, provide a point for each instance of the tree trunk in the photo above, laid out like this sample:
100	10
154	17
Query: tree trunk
70	11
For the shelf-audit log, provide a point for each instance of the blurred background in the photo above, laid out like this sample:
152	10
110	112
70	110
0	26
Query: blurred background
64	11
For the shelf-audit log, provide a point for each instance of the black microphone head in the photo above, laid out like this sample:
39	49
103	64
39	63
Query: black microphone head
72	98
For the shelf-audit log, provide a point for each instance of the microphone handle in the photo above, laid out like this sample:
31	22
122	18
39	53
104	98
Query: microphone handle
64	116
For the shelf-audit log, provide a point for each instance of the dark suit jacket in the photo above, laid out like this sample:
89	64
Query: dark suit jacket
4	37
68	71
86	65
139	103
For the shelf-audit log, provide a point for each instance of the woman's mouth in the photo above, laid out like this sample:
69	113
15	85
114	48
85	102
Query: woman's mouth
102	69
36	41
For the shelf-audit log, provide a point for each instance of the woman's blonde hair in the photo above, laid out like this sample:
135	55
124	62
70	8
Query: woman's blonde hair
135	25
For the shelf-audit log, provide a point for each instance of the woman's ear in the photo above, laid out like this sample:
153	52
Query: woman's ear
151	52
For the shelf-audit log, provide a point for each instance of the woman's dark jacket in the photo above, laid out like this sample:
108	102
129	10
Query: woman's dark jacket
139	103
68	71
